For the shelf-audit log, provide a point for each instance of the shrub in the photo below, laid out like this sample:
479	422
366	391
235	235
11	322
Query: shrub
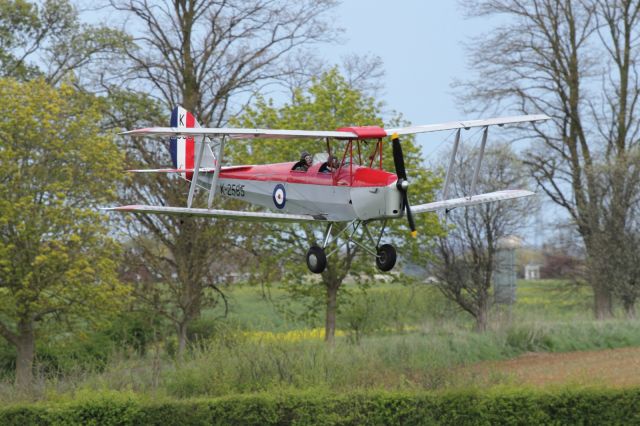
570	406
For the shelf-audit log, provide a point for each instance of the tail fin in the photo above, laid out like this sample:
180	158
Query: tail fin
183	150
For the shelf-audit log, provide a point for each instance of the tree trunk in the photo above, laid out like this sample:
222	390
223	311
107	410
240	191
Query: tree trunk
26	350
330	321
482	319
629	308
182	339
603	302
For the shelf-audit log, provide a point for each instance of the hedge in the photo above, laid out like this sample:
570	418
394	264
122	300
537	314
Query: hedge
586	406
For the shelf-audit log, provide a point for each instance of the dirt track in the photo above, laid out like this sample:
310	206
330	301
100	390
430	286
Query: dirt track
612	367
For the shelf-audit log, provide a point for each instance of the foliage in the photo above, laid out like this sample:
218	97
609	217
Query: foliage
509	406
57	262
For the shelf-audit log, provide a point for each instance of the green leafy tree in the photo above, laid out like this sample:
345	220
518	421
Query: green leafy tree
57	262
329	103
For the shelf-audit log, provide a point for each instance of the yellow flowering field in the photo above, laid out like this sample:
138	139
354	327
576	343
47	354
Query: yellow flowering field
289	336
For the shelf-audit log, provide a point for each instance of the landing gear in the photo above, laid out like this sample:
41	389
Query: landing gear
385	254
316	259
386	257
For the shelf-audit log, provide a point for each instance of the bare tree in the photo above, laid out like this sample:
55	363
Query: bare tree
48	39
465	260
576	61
210	56
363	72
617	256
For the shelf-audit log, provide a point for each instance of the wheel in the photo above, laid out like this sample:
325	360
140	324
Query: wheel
386	258
316	259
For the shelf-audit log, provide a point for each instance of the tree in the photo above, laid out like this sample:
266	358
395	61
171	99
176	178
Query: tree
576	61
465	260
210	57
47	39
57	262
329	103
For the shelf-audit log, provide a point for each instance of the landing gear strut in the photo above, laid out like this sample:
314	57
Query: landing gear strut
385	254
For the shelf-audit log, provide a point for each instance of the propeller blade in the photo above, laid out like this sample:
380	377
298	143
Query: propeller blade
403	183
398	157
407	207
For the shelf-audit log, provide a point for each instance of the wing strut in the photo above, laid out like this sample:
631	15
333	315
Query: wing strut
194	177
447	179
216	173
479	162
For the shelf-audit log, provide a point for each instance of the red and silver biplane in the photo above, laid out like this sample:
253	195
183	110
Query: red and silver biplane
351	188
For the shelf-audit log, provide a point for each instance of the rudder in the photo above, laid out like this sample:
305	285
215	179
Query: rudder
183	149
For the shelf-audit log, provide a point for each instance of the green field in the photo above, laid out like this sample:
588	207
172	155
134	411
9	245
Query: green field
393	337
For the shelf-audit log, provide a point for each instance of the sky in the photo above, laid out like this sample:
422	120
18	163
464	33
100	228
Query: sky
421	44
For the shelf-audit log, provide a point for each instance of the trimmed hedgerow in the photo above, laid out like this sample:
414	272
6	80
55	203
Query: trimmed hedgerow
585	406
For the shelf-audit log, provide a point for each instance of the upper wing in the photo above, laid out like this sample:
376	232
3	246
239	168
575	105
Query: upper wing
224	214
501	121
297	134
239	133
471	201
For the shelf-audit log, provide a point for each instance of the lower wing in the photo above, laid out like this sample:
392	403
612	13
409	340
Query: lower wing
490	197
223	214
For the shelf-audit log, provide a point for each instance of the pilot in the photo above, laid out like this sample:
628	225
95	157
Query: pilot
304	163
330	166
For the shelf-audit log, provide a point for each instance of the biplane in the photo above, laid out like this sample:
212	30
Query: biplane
345	183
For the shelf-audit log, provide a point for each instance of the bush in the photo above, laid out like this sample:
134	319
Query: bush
136	330
572	406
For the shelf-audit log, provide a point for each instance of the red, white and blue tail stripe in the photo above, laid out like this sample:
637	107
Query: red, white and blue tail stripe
183	149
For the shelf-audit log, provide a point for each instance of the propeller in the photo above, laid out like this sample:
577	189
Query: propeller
403	183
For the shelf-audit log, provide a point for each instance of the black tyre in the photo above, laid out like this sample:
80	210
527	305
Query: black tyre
316	259
386	258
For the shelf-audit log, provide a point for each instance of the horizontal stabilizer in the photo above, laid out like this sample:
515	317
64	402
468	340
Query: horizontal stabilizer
490	197
223	214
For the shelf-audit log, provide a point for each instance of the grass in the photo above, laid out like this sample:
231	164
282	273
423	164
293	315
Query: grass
428	359
408	338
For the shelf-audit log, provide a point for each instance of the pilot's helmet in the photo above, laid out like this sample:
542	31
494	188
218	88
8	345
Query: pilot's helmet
307	158
304	155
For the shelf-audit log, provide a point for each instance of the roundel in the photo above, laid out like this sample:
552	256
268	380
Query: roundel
279	196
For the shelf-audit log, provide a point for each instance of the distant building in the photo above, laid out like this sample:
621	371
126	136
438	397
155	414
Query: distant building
532	271
504	276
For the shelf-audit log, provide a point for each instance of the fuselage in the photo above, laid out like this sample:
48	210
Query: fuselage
352	192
